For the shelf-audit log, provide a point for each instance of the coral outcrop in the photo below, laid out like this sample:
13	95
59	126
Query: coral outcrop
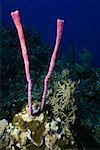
48	130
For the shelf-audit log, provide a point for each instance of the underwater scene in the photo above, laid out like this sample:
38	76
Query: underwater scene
50	75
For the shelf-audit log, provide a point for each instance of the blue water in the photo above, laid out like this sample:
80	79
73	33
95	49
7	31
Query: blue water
82	20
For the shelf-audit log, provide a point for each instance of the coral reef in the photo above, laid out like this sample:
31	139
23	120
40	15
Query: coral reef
38	132
87	96
72	116
48	130
3	124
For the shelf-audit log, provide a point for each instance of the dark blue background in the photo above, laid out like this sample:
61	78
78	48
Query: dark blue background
82	20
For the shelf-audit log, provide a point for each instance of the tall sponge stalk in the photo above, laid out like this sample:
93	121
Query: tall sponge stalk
16	18
60	24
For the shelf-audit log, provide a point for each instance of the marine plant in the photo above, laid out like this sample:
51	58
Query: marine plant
16	18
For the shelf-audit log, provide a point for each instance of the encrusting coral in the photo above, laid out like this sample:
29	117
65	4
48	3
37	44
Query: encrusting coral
47	130
25	132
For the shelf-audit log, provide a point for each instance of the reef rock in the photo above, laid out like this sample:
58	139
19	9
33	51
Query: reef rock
3	124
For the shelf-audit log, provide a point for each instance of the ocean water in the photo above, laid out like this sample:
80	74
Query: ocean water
82	21
70	118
